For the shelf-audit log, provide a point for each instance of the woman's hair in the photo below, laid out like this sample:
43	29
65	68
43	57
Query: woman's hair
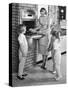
43	9
56	34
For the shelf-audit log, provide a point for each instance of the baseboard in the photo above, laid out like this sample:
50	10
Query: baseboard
50	58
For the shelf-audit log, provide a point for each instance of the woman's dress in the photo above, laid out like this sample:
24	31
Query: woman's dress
44	41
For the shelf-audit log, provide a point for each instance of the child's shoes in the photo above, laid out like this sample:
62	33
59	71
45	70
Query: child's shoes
58	78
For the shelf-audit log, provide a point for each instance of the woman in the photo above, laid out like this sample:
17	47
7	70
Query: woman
42	28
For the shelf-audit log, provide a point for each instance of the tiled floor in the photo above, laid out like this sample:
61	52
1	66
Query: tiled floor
37	76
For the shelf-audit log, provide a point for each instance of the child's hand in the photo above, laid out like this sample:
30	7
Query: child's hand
49	48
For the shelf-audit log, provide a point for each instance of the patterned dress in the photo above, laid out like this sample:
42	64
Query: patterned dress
44	41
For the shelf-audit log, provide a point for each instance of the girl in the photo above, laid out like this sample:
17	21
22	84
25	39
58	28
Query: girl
56	54
54	27
42	28
23	50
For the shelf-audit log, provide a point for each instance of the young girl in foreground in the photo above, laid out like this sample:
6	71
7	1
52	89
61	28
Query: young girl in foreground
56	54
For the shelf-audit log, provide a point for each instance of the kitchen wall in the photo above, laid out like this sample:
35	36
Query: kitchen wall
15	21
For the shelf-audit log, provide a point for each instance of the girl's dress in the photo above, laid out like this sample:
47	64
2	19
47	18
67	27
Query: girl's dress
57	52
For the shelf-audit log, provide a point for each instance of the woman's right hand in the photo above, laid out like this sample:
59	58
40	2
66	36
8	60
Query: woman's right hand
30	29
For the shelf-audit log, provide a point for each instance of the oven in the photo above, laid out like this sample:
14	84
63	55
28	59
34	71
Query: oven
28	17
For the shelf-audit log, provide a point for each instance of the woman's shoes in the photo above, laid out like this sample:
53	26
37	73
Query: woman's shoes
43	67
54	72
